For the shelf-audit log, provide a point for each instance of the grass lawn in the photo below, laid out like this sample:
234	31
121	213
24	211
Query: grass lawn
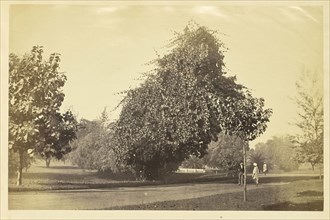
61	176
300	195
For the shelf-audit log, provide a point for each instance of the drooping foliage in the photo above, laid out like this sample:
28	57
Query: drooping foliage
180	108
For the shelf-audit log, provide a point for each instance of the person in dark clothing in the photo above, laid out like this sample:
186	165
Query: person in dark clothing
241	173
264	168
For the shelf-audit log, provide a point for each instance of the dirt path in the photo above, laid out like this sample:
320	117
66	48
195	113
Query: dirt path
121	196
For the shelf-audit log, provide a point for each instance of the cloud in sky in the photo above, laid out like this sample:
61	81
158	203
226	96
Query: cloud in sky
168	8
108	9
304	13
210	10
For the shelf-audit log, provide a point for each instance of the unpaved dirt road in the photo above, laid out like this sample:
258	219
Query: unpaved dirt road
120	196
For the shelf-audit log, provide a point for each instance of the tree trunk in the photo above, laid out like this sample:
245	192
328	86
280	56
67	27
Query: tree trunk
244	163
47	161
20	168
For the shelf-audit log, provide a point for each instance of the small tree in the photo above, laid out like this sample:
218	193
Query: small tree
309	100
57	136
247	119
35	97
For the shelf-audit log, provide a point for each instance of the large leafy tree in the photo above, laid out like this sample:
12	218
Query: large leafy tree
35	97
309	100
180	108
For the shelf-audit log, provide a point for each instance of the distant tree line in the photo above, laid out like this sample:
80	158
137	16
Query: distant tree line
226	154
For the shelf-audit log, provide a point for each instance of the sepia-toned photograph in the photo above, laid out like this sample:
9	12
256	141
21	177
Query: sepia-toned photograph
164	110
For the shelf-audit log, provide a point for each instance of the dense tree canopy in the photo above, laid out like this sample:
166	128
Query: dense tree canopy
180	108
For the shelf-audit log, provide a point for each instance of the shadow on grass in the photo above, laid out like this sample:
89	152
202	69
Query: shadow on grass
57	176
61	185
106	175
60	167
316	205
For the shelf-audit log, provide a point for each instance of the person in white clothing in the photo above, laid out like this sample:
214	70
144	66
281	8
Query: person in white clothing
255	174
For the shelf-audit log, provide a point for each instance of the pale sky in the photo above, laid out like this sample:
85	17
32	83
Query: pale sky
105	48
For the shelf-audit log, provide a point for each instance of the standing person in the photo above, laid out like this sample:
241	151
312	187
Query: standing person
241	173
264	168
255	174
